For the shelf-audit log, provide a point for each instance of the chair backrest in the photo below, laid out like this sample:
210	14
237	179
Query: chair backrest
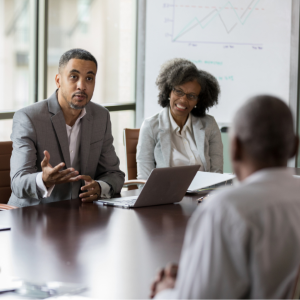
5	154
131	137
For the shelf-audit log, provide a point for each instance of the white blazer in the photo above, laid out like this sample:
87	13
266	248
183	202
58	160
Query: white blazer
154	145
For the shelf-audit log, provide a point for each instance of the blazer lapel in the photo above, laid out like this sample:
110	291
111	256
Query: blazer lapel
199	135
86	135
165	135
59	124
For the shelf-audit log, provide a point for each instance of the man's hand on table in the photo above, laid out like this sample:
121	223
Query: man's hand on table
165	279
54	175
92	188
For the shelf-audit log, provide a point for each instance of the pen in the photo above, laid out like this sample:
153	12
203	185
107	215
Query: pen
202	198
4	228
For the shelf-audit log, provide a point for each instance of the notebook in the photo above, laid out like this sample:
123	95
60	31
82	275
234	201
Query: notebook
204	180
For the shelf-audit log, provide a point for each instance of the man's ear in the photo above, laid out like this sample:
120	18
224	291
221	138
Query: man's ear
58	80
235	149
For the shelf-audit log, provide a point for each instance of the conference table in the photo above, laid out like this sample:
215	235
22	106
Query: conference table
114	252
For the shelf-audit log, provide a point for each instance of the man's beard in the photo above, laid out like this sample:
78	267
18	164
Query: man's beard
72	105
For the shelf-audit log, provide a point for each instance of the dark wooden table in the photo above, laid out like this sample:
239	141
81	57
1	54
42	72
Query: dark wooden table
115	252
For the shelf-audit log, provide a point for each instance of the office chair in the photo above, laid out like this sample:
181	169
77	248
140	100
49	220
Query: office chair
5	190
131	137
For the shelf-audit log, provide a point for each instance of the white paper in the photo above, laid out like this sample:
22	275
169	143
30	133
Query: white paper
206	179
9	283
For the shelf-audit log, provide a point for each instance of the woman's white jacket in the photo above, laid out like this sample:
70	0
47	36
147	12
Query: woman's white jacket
154	145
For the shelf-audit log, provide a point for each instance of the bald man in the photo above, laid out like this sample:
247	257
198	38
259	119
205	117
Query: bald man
244	242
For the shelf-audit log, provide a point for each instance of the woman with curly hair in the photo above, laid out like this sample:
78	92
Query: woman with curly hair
182	133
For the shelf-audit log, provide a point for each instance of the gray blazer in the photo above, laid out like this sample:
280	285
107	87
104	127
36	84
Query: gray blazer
42	126
154	145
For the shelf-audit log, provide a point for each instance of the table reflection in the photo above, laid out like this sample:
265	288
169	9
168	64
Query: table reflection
53	239
115	252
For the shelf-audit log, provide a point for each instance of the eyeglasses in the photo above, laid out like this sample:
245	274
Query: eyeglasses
180	93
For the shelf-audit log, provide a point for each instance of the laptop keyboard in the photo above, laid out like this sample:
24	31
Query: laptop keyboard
126	202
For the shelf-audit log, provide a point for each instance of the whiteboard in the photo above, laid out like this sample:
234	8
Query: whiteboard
245	44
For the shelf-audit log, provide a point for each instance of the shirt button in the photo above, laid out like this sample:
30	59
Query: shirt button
71	151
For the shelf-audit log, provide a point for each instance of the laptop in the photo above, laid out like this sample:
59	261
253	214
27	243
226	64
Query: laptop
164	186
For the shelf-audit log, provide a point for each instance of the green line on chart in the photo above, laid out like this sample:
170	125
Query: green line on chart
218	13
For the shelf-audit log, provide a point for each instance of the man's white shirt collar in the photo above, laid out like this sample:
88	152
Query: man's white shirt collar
81	115
267	174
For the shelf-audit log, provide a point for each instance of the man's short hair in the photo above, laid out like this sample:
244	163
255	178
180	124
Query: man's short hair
265	127
77	54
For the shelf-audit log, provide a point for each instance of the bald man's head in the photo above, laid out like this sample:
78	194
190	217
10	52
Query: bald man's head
264	127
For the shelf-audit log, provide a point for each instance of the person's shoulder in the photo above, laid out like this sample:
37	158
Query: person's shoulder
209	121
221	197
151	125
34	110
249	198
153	119
235	200
227	194
222	207
152	122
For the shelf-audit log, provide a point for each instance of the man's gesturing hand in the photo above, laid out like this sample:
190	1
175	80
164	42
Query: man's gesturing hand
92	187
52	176
165	279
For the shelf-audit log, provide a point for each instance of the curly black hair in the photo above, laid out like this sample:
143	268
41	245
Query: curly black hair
179	71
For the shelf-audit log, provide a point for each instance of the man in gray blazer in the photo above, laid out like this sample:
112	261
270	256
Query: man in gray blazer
63	146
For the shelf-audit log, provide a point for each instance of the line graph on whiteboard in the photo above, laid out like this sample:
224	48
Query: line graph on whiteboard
233	22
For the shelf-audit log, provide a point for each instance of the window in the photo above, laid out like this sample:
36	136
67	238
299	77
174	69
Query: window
14	54
106	28
16	58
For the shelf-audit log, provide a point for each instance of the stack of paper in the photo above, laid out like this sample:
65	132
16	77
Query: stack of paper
205	179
